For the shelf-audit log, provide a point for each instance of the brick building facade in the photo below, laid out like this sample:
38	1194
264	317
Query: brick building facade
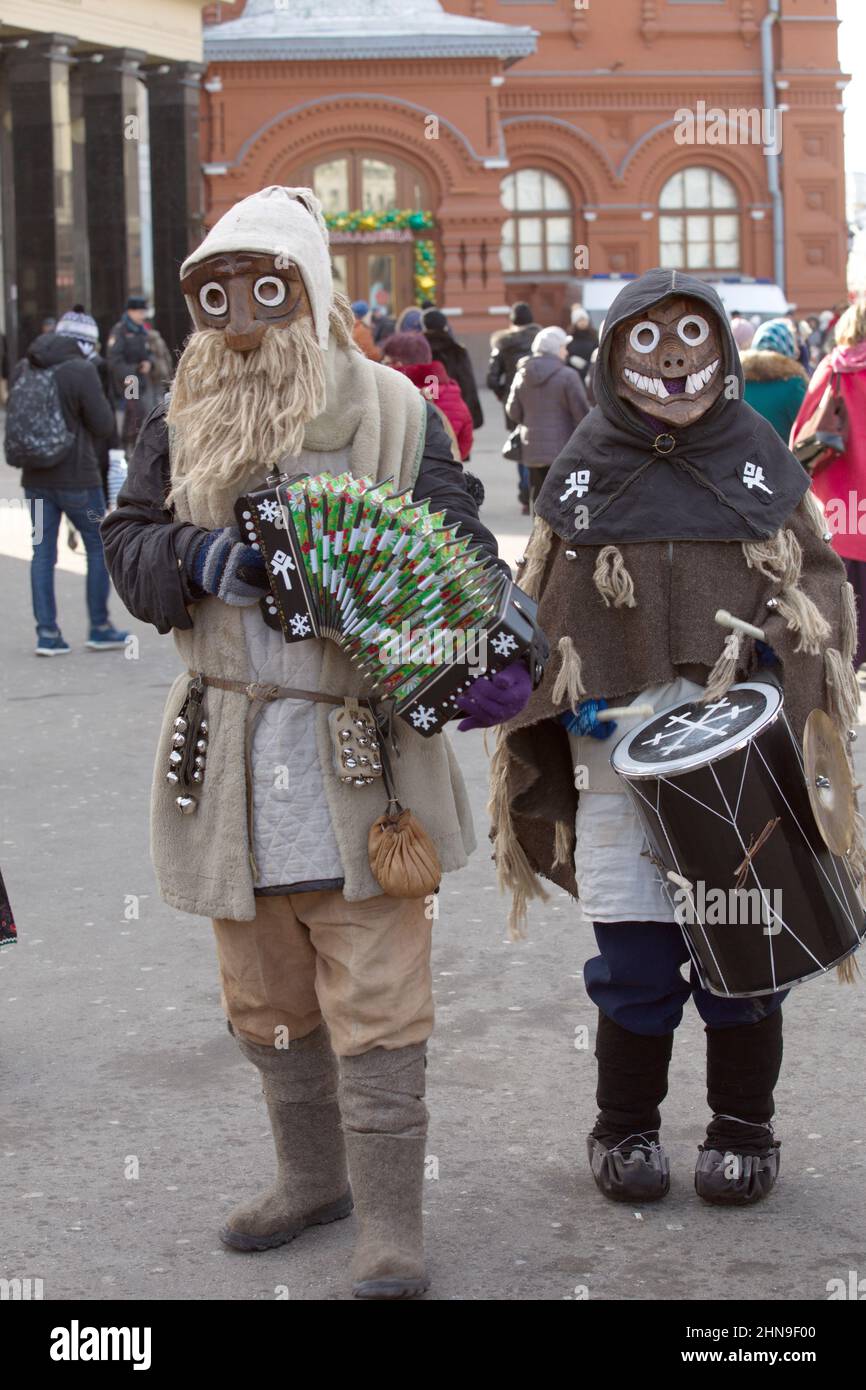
481	151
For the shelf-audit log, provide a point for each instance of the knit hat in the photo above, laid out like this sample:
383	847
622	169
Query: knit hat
549	340
521	314
435	321
408	348
284	222
776	335
80	326
409	320
360	307
743	333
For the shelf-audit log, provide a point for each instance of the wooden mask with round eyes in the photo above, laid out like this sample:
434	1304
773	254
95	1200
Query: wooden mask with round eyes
243	294
667	360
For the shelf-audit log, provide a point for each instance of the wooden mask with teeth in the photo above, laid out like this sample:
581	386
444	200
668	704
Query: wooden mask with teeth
667	360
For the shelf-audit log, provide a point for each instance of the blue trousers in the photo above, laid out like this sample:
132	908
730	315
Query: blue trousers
85	508
637	982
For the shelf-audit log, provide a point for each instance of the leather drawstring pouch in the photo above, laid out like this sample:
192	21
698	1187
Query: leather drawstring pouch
403	858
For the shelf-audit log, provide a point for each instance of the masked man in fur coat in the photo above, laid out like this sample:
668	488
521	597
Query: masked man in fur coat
672	499
311	953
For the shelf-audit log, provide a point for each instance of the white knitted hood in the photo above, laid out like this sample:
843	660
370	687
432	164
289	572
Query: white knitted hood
279	222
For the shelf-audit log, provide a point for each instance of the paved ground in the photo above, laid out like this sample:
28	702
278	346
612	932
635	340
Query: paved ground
114	1056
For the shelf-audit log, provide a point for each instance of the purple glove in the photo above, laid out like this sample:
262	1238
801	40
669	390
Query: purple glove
493	699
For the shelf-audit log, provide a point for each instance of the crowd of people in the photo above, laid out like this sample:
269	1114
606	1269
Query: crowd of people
797	372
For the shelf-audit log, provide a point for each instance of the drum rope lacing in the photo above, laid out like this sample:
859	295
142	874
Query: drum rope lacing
742	869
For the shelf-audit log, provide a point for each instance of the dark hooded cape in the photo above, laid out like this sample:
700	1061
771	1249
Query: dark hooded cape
695	492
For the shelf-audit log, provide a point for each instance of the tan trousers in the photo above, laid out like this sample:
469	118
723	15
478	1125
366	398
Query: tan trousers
362	967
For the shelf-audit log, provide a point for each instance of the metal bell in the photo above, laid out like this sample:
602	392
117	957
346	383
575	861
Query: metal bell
362	742
350	762
365	762
172	778
185	804
181	724
377	767
203	727
175	758
201	746
344	734
772	603
178	740
198	775
200	761
360	781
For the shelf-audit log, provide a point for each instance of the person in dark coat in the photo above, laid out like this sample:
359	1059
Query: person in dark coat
72	488
130	361
455	359
583	341
78	324
507	347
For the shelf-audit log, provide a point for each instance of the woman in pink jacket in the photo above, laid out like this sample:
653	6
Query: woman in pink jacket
412	355
841	485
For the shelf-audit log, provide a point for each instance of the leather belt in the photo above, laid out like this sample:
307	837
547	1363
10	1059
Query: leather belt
261	693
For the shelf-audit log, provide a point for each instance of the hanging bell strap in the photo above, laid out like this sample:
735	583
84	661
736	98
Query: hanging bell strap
261	693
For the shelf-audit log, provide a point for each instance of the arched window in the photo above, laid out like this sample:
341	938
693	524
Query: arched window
361	181
538	236
699	222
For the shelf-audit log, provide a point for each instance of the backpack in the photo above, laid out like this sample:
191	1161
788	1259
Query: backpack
37	435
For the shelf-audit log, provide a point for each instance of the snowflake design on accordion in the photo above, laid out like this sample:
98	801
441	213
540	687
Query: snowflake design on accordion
300	625
268	510
504	644
424	717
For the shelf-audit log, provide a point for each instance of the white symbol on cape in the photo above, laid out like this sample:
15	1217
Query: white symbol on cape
300	625
715	722
504	644
577	484
268	510
424	717
753	476
281	564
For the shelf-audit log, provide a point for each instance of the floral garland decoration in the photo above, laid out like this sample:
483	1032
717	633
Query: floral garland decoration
399	218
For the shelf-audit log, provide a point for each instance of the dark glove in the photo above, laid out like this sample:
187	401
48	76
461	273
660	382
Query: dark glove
584	720
493	699
224	565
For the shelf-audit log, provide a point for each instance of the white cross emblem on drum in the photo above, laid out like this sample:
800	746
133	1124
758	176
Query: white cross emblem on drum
715	722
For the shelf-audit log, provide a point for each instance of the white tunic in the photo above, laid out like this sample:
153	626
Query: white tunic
615	879
293	840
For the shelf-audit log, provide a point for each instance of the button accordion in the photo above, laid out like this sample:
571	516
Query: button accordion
417	609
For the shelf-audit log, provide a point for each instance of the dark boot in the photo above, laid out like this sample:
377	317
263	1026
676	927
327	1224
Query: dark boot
385	1120
299	1084
738	1163
628	1163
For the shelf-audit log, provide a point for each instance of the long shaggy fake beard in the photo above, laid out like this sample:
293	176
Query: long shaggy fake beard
233	415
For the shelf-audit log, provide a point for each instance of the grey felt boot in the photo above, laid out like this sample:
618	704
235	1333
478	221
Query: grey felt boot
299	1084
385	1119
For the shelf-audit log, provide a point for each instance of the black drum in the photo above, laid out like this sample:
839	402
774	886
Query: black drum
721	791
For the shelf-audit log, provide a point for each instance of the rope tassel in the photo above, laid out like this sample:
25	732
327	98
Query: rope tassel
724	673
612	579
569	682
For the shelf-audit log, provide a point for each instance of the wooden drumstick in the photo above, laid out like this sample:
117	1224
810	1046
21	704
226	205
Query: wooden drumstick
605	716
726	619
